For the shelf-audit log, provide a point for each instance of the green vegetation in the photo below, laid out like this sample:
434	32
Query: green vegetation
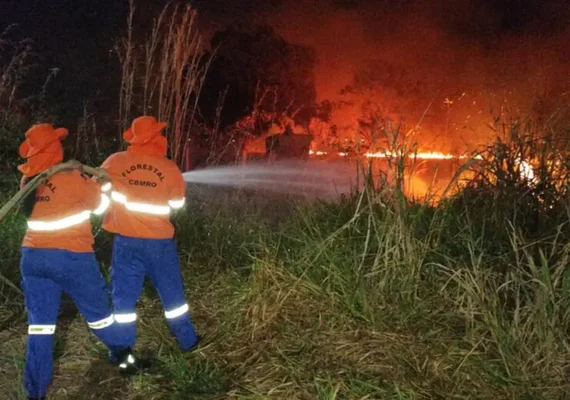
372	297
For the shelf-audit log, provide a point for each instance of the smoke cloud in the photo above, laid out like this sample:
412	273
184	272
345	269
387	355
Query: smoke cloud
450	64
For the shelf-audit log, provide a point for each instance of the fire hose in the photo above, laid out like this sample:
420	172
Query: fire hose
41	178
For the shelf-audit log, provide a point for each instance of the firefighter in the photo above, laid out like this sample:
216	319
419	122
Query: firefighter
57	256
147	188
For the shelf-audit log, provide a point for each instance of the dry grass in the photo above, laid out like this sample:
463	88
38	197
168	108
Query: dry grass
271	336
372	298
165	76
288	318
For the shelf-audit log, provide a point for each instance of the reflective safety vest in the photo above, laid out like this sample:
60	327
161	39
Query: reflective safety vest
61	215
145	190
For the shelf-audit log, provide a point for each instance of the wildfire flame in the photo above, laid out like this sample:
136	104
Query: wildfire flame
423	156
429	155
417	185
526	170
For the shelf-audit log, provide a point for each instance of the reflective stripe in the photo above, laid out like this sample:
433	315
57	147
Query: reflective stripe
75	219
106	187
177	312
63	223
130	360
118	197
102	323
140	207
125	318
148	208
105	202
176	204
41	329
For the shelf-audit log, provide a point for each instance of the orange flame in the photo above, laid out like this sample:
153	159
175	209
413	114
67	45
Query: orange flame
526	170
429	155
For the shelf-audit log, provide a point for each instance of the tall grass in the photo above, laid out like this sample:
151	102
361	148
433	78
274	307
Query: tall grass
17	60
374	296
377	297
164	77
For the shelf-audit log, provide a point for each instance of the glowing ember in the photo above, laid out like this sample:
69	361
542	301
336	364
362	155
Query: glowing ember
526	170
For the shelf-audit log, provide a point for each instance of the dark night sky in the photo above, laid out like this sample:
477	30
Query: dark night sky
61	26
77	35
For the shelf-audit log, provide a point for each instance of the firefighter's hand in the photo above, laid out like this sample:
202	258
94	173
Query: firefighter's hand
23	181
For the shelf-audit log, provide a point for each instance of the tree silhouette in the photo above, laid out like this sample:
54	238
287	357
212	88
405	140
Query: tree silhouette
258	66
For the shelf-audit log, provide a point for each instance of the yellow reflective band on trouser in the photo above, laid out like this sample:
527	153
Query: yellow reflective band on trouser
102	323
177	312
59	224
125	318
41	329
105	202
140	207
176	204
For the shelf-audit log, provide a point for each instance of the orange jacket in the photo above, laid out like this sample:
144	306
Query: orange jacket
64	203
61	215
145	189
146	186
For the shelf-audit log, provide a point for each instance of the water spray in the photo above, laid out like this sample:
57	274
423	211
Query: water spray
310	178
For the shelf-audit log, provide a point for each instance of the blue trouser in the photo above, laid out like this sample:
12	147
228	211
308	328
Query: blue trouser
135	258
46	273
